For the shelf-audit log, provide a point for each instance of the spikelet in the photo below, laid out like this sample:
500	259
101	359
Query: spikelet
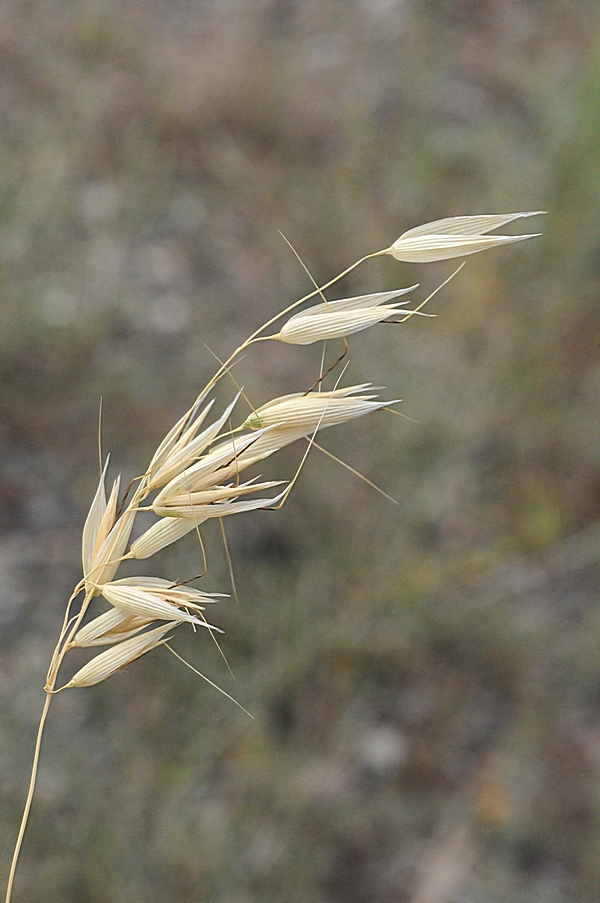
111	627
316	410
108	557
219	509
214	497
109	517
107	663
455	236
135	596
208	468
335	319
181	594
173	437
89	538
162	534
188	448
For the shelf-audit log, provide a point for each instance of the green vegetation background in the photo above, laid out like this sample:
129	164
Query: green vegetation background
424	677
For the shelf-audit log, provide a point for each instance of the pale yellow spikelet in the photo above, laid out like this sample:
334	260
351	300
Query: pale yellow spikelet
99	523
273	438
111	627
137	599
219	509
92	523
215	494
324	326
335	319
316	410
178	593
455	236
267	443
107	559
162	534
194	477
189	420
253	421
209	479
109	517
107	663
359	302
188	449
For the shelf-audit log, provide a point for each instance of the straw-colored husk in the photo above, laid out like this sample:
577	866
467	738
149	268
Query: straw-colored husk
107	663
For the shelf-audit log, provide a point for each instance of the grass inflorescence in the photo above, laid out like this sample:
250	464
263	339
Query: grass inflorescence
195	475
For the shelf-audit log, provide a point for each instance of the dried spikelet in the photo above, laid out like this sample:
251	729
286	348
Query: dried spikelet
335	319
455	236
219	509
109	517
174	435
223	493
118	656
236	453
359	302
107	559
316	410
181	594
188	449
194	478
267	443
92	523
112	626
162	534
214	495
137	599
99	523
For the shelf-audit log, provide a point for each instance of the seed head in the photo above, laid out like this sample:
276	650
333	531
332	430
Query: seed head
111	627
334	319
154	598
216	502
456	236
118	656
304	414
188	448
163	533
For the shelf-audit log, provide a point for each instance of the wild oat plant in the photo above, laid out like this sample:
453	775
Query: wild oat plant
196	474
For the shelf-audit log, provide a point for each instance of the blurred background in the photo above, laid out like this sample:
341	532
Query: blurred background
423	676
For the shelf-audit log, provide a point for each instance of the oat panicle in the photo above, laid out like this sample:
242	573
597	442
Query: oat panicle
194	476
